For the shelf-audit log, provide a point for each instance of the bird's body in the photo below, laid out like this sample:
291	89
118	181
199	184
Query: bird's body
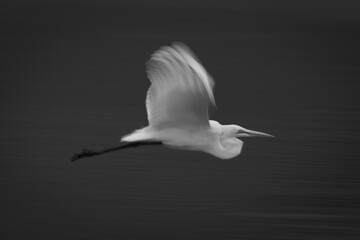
208	139
177	107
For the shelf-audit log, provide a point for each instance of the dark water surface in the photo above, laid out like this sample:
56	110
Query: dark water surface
73	76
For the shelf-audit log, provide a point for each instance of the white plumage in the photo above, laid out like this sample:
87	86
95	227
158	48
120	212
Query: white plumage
177	106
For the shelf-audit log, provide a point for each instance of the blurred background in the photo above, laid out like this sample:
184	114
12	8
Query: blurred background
73	76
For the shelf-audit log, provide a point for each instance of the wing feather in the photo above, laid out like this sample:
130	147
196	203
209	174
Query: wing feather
180	90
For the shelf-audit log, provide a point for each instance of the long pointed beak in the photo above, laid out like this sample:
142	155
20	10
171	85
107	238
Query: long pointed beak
252	133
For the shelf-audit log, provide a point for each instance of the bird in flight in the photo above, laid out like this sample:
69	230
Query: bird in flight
177	105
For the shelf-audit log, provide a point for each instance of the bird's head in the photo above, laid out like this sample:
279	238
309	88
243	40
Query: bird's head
237	131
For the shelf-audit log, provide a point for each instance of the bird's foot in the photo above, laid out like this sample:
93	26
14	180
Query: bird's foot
85	153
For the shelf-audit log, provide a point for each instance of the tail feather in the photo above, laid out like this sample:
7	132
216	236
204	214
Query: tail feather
138	135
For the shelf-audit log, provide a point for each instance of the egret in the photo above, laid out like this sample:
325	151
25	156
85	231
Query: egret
177	105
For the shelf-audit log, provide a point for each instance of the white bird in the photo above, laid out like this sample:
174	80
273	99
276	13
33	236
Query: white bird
177	107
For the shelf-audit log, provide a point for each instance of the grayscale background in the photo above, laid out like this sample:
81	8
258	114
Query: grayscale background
73	77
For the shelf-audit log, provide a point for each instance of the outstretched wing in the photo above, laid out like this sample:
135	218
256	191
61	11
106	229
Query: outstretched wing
180	90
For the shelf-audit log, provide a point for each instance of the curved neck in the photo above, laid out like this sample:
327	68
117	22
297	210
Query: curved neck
227	148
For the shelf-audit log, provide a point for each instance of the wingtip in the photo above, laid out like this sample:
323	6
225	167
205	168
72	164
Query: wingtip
182	47
179	43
